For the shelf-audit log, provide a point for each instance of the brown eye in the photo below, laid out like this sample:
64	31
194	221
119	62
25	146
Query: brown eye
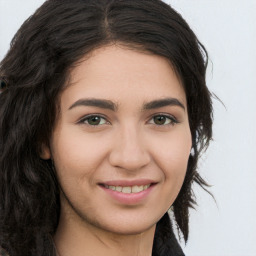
160	120
163	120
93	120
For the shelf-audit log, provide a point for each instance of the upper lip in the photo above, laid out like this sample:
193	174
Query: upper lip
128	183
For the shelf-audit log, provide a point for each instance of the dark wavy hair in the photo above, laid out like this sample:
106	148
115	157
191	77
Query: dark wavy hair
35	71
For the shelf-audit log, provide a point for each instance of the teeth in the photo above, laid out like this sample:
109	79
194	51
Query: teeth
118	188
146	186
136	189
128	190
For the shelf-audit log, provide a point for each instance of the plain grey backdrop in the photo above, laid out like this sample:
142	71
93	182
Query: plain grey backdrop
227	28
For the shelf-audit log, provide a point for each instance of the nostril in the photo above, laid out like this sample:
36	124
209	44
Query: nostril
132	161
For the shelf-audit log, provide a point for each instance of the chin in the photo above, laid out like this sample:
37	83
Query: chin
130	230
127	227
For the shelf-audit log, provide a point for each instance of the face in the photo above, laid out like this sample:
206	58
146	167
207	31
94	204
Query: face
122	141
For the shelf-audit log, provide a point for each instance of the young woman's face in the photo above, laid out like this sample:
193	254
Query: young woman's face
122	141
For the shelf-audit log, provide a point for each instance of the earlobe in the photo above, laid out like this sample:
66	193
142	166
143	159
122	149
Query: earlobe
45	153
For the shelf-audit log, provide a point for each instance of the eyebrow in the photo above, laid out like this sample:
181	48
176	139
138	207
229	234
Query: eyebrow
163	103
108	104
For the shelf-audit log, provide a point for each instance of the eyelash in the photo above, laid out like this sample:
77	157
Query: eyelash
172	119
86	118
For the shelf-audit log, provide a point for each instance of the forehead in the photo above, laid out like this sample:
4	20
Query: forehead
118	73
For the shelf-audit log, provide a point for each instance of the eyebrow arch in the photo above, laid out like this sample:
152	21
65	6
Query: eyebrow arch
106	104
162	103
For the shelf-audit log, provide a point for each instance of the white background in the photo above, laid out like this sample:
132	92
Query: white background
228	30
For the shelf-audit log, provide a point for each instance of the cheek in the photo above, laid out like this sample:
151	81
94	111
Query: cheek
172	157
76	155
174	150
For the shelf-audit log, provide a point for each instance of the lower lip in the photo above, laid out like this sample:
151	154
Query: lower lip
129	198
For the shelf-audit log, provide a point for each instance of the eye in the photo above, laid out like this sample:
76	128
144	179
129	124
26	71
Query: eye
163	120
93	120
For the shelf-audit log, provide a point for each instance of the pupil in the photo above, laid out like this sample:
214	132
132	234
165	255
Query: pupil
160	119
94	120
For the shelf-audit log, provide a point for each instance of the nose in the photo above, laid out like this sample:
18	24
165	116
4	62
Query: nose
129	152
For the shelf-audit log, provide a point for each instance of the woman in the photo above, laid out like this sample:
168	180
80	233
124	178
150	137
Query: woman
104	111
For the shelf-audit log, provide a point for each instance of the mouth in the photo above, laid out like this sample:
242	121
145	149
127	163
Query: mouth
128	189
128	192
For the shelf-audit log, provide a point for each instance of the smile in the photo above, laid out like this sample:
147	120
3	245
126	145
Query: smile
128	189
129	192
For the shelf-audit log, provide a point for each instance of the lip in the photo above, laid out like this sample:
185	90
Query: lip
130	198
128	183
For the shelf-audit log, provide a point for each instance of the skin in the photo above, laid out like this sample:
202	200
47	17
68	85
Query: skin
126	144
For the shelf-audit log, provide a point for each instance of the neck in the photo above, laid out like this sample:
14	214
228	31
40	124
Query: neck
82	239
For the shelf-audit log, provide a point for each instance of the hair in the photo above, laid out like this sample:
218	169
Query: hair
35	71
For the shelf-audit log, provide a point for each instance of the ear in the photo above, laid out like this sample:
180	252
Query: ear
45	153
